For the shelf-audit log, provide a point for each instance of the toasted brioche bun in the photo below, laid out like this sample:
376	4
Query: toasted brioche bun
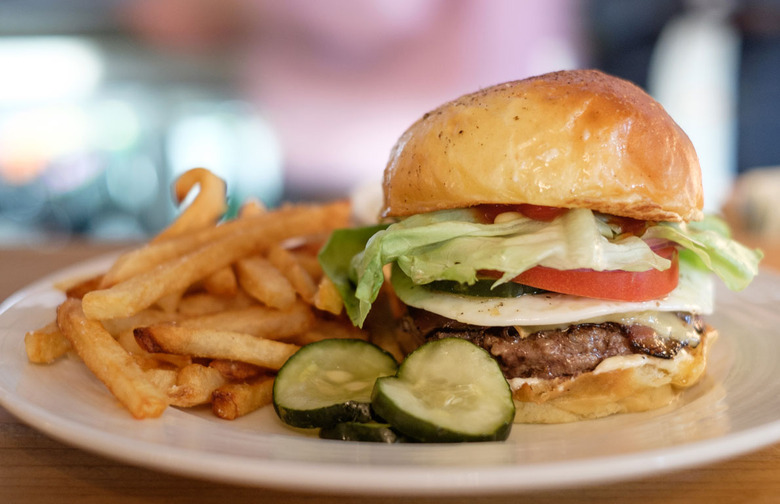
571	139
618	385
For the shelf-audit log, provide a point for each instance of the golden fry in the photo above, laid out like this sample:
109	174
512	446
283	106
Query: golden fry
203	303
264	282
45	345
237	399
221	283
143	318
135	262
136	293
308	262
257	320
251	207
195	316
78	290
206	209
214	344
194	385
236	370
162	378
327	297
110	363
300	279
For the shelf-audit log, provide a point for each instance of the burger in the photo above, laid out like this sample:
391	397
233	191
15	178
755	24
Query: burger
556	222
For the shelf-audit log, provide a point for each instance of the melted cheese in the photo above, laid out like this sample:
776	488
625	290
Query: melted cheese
665	324
694	294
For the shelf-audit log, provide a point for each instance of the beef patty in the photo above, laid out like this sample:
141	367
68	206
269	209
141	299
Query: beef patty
551	353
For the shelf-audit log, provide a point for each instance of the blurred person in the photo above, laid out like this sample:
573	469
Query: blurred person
340	80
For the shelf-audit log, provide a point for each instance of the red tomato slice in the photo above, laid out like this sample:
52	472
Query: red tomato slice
614	285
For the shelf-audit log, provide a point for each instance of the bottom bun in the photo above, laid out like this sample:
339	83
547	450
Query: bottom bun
622	384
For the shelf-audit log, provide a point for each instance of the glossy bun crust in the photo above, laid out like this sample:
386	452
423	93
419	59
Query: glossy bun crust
611	389
571	139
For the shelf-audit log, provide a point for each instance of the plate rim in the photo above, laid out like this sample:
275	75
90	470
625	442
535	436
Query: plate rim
437	480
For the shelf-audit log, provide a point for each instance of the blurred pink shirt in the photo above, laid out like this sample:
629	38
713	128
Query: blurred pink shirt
340	80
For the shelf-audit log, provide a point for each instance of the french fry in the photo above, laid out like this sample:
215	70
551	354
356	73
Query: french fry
236	370
264	282
169	303
251	207
206	209
78	290
45	345
109	362
136	293
204	303
214	344
147	360
309	262
197	314
221	283
259	321
327	297
143	318
237	399
144	259
162	378
300	279
194	385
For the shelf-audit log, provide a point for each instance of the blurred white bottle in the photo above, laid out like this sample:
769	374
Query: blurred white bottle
694	74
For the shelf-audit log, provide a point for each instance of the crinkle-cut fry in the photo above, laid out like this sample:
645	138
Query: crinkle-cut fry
46	344
237	399
300	279
194	385
109	362
141	291
222	282
264	282
259	321
204	303
215	344
206	209
327	297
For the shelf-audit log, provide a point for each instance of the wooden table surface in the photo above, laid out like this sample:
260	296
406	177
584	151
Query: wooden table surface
35	468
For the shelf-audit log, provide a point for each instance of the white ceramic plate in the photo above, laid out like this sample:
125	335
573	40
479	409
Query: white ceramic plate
734	410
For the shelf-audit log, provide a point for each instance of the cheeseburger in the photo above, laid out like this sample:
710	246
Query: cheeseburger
556	222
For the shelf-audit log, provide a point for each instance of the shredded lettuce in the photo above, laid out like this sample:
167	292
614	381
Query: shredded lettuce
453	245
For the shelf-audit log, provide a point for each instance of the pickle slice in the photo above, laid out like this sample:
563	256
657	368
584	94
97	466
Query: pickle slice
448	390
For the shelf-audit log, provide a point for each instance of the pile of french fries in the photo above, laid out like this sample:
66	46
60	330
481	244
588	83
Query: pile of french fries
208	310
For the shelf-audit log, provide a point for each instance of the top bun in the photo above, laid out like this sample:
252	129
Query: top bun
571	139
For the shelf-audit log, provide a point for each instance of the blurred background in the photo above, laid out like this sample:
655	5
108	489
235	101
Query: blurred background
104	102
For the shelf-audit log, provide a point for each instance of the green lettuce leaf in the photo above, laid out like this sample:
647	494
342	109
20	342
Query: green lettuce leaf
335	258
452	245
707	243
